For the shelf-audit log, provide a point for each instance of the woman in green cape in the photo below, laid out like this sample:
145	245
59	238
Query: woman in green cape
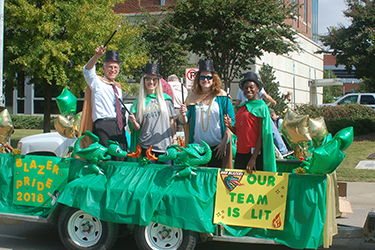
255	149
152	115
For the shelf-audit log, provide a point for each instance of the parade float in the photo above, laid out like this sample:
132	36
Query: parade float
88	196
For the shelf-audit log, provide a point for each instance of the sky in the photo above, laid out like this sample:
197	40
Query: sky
330	14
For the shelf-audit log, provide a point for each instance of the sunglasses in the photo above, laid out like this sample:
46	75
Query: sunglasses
148	79
204	77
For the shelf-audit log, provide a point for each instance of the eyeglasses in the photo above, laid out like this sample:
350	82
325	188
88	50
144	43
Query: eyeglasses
204	77
148	79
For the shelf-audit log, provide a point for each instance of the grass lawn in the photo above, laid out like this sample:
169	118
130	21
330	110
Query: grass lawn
360	149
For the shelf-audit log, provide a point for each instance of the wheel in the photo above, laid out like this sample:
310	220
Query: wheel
80	230
157	237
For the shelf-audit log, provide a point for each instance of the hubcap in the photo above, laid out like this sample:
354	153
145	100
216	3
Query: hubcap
159	236
84	230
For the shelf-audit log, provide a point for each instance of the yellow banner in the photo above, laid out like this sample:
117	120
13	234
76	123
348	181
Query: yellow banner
256	200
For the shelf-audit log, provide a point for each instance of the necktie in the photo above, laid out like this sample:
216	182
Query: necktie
120	123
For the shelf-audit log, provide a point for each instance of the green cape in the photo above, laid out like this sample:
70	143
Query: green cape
135	134
259	109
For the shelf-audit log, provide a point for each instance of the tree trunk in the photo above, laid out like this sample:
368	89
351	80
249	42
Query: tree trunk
47	107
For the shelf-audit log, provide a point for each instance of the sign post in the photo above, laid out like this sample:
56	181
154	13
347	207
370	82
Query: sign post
190	76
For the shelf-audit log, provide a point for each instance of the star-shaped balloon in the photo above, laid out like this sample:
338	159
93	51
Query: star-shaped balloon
295	127
318	130
68	127
67	102
6	126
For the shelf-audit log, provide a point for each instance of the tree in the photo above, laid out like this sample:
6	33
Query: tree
353	46
233	33
164	44
330	91
48	42
266	73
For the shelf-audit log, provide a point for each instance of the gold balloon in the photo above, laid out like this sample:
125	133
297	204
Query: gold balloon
295	127
318	130
6	126
65	127
76	121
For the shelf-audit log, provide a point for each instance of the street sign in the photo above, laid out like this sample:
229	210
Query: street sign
190	76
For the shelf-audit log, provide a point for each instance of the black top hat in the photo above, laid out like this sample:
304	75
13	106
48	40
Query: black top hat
112	55
206	65
253	77
151	69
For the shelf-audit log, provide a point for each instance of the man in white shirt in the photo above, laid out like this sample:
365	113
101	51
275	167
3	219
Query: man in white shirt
178	101
105	94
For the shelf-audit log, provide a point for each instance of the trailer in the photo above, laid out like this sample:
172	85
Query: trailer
161	208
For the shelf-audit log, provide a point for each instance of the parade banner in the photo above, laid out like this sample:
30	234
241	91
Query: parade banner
38	180
251	200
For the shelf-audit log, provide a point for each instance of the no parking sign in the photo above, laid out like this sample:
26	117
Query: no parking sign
190	76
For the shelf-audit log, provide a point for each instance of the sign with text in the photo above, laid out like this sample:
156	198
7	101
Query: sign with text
251	200
190	76
38	180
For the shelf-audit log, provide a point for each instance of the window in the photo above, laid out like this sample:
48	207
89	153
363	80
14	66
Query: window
349	100
367	99
305	11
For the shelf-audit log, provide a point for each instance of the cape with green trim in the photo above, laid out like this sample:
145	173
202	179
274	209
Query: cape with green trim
259	109
135	134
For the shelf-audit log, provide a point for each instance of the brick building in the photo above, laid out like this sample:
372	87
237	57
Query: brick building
350	83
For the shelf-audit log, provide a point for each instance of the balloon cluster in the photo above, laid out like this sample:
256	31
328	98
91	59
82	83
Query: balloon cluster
312	143
67	124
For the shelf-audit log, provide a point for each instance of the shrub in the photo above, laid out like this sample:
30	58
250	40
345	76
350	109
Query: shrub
360	117
29	122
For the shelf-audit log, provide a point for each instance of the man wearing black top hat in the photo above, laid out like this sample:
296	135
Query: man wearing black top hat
102	105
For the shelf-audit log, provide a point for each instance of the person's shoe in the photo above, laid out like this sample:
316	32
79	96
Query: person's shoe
288	153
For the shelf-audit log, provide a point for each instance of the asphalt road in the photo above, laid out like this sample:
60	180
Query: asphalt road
38	236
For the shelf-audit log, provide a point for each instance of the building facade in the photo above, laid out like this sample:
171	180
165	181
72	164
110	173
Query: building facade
350	82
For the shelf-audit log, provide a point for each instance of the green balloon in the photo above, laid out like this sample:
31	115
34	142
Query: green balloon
326	158
67	102
344	137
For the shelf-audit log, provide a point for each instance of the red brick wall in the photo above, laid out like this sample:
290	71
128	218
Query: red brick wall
329	60
134	6
303	27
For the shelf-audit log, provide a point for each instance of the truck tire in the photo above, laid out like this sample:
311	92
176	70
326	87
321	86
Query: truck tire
160	237
80	230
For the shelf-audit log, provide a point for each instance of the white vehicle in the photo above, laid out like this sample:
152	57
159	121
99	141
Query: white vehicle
367	99
49	144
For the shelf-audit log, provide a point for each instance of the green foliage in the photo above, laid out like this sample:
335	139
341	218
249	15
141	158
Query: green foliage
360	117
353	46
28	122
330	91
164	44
366	86
361	125
49	42
233	33
266	73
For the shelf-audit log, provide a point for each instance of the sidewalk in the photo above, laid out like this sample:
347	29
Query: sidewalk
361	196
362	199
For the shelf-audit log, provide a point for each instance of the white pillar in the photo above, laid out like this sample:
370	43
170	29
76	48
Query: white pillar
2	98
